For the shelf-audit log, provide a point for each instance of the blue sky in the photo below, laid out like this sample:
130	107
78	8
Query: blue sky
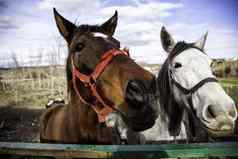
27	28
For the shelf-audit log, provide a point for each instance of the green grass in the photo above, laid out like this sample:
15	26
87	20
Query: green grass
232	92
230	85
229	81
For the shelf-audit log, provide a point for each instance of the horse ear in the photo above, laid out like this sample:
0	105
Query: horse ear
110	25
201	42
66	28
167	40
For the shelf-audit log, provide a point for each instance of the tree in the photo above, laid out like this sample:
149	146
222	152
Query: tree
15	61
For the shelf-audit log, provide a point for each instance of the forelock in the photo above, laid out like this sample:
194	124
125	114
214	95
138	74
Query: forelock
180	47
89	28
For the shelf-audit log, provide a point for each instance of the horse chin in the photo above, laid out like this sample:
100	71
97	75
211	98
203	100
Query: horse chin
137	124
220	133
139	119
215	132
140	126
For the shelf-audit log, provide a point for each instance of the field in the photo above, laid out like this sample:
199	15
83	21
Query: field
32	87
25	91
23	95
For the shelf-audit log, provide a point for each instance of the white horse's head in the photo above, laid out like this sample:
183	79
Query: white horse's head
195	88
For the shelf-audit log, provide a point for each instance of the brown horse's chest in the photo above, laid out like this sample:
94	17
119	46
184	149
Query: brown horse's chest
82	126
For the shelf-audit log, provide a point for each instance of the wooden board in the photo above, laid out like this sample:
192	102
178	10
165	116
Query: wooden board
228	149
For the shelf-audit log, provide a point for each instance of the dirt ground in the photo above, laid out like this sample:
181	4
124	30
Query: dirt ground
19	124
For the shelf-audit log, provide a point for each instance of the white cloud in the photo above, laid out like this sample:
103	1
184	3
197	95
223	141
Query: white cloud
76	8
138	28
145	11
220	42
69	5
6	23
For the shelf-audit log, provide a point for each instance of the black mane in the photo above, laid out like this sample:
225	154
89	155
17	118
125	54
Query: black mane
180	47
163	76
88	28
169	107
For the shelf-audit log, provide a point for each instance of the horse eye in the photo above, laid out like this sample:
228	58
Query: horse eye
177	65
79	47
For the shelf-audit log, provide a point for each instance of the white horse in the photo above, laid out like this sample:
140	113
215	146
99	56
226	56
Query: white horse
189	92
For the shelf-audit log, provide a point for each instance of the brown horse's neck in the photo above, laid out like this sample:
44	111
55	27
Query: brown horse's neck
82	117
85	122
84	111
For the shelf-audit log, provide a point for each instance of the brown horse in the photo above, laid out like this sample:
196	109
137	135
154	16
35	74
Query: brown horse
101	79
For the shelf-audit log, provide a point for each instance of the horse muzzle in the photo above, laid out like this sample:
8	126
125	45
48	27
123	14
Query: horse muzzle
142	105
141	121
221	126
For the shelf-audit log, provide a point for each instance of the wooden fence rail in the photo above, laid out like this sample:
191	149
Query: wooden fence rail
221	149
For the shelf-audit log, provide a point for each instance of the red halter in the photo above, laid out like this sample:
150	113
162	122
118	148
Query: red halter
90	81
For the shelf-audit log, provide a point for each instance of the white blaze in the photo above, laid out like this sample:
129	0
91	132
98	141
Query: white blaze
100	35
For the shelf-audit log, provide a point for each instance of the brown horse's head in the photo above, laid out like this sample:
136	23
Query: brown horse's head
123	84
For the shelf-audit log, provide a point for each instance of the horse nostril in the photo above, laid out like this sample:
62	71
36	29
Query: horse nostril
210	112
232	114
134	94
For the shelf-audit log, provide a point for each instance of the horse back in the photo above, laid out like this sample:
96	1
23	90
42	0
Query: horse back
52	122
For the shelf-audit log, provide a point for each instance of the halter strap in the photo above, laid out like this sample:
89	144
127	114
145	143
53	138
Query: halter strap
179	48
189	93
194	88
99	106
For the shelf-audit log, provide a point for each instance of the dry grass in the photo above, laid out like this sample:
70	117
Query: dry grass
32	86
